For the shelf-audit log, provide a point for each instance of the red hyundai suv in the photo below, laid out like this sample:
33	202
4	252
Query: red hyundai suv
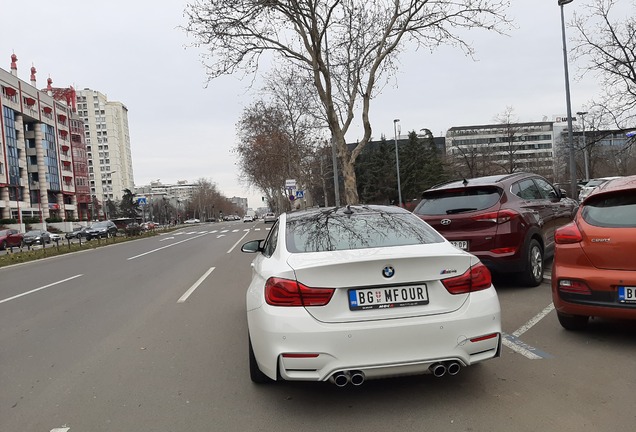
507	220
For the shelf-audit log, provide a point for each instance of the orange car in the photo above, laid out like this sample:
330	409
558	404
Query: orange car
594	269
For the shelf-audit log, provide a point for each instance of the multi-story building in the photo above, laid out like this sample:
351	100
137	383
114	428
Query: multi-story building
487	149
63	153
107	137
37	133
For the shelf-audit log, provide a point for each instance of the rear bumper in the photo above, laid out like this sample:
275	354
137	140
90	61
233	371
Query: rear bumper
603	302
377	348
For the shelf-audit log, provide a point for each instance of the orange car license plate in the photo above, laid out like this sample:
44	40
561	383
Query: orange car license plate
626	294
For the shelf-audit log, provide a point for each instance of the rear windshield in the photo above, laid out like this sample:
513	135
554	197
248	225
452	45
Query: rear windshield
454	201
332	232
611	210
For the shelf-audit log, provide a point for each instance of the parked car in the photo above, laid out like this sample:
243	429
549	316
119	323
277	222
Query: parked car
36	237
78	232
507	220
149	226
361	292
102	229
248	218
592	184
269	217
191	221
594	271
55	237
10	238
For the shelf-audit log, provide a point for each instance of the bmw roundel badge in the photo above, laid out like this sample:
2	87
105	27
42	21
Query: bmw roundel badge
388	271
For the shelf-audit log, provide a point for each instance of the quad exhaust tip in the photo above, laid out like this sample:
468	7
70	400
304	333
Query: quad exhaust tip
442	368
357	378
342	378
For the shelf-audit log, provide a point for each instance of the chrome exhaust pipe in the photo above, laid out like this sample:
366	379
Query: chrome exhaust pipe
357	378
340	379
453	368
438	369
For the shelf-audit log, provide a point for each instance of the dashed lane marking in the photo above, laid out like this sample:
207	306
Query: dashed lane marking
190	290
39	289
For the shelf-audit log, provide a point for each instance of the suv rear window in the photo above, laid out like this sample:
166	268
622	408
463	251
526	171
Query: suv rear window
616	210
453	201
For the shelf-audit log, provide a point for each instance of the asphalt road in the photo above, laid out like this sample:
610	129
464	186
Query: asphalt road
151	335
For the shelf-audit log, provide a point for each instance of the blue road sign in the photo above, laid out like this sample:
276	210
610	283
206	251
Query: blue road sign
300	194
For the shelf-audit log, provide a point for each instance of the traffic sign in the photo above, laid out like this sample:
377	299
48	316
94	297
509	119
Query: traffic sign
300	194
290	184
142	201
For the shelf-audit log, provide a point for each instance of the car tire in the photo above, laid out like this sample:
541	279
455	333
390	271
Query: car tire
532	276
3	245
256	375
573	322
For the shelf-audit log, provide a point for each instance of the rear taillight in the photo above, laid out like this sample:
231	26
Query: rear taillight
573	286
476	278
499	217
286	292
568	234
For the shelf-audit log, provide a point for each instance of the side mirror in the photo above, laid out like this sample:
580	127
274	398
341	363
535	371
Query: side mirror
564	193
252	246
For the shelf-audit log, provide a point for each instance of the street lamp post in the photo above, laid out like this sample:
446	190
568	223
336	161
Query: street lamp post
585	155
397	162
567	101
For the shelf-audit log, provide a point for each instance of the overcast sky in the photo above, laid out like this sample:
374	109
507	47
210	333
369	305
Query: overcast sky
134	52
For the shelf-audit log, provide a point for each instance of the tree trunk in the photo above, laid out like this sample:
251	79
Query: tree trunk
351	190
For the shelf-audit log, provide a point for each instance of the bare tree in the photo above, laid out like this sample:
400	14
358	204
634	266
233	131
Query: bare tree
349	48
606	42
510	145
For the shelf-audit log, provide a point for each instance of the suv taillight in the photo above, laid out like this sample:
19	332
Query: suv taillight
499	217
476	278
286	292
568	234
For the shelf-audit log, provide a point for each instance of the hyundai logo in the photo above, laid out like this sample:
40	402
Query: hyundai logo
388	271
445	221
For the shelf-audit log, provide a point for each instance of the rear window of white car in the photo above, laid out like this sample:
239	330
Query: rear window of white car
328	231
615	210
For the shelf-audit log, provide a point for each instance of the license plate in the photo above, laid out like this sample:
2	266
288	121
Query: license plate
626	294
387	297
461	244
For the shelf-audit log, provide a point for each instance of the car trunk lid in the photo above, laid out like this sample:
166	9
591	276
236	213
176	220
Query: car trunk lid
362	274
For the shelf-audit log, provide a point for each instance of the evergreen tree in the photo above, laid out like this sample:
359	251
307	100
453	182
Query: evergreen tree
128	206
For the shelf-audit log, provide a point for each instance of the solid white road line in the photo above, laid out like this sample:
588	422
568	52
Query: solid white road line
41	288
190	290
164	247
534	320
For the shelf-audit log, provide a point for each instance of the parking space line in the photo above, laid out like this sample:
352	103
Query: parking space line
520	347
41	288
190	290
534	320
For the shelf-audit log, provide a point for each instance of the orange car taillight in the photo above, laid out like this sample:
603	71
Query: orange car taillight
574	287
499	217
476	278
286	292
568	234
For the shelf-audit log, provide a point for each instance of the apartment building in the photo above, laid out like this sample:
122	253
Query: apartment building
107	136
40	138
63	153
